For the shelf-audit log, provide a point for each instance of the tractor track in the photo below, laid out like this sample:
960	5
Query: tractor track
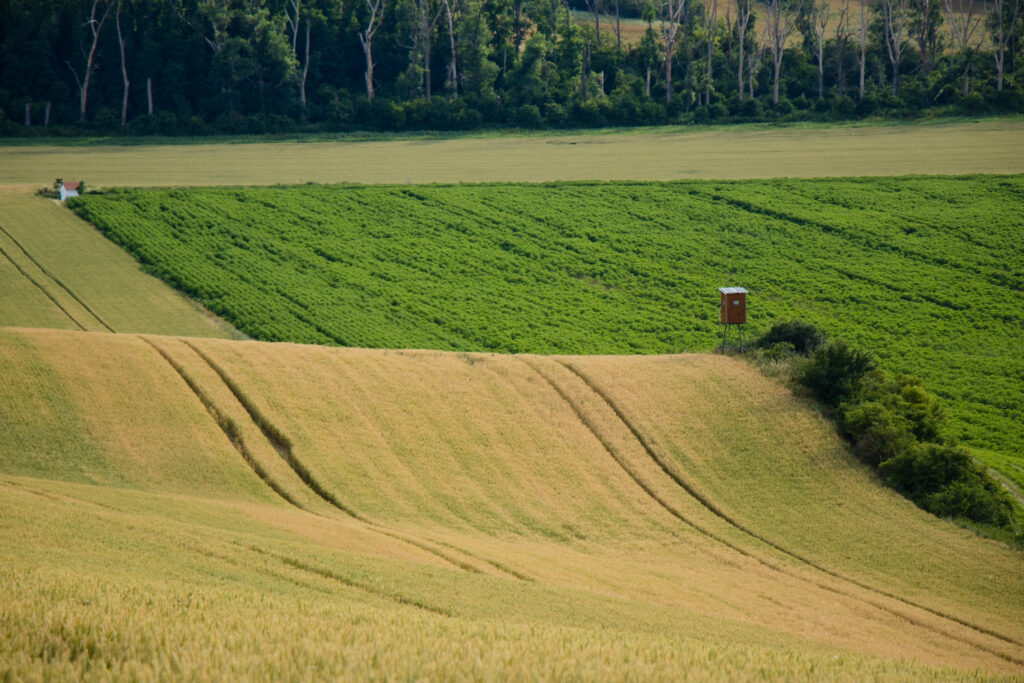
55	280
706	504
284	448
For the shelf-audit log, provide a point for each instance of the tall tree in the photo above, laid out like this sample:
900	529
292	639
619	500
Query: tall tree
373	24
895	16
124	66
98	14
451	81
300	24
428	13
781	21
819	14
925	21
1003	21
842	37
963	25
710	39
744	10
474	52
673	18
862	43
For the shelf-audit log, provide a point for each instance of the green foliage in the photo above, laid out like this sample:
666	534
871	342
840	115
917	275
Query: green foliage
234	67
803	337
907	399
947	482
833	372
878	432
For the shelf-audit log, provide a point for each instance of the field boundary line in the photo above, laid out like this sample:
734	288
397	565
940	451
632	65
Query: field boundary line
678	479
42	289
56	280
227	425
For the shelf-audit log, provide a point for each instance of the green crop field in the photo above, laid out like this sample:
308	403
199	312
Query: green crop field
176	508
921	271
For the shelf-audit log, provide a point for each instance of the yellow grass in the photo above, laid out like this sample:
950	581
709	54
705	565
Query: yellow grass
991	146
62	273
459	515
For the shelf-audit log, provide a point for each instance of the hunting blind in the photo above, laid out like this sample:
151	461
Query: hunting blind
733	312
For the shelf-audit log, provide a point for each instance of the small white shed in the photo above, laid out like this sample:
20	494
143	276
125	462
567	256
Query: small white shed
68	190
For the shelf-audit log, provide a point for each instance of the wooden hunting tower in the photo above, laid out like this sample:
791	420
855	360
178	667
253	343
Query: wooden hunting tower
733	312
734	305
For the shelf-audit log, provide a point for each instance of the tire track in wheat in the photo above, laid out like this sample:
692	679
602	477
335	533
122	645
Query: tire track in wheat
55	280
679	480
283	445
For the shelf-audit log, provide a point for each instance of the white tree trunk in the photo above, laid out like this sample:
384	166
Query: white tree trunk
124	67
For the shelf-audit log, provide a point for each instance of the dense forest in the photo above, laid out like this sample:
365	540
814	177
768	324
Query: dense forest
187	67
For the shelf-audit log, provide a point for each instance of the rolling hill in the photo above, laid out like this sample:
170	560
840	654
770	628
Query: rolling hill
290	508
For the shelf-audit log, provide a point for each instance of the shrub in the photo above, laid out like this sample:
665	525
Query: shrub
906	397
878	432
945	481
833	372
804	337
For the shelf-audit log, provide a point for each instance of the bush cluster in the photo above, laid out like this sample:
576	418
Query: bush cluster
894	425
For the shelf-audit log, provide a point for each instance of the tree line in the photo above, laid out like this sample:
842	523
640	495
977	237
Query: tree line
255	66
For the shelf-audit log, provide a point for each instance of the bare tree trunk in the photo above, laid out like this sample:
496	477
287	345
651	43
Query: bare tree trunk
452	81
95	27
28	114
863	40
46	114
820	14
894	15
426	55
294	23
427	25
673	15
149	96
744	8
366	40
781	21
647	82
1001	33
712	28
925	27
305	65
842	35
124	67
962	26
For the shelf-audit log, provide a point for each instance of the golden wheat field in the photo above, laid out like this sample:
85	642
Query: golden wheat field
180	507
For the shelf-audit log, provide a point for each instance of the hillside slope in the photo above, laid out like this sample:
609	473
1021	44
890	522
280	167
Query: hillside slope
56	271
586	516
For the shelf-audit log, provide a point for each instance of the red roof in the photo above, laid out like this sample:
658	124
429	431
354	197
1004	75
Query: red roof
70	186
